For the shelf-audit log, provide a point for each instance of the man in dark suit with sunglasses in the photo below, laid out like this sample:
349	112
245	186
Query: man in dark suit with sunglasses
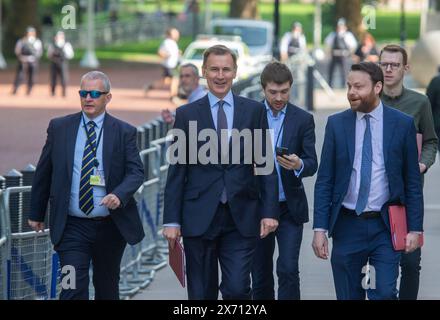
88	171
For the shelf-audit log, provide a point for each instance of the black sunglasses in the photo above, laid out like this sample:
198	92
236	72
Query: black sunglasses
94	94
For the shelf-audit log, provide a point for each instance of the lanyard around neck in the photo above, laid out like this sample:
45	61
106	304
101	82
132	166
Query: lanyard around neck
279	132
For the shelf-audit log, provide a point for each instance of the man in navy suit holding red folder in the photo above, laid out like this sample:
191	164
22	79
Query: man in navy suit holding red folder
368	162
220	208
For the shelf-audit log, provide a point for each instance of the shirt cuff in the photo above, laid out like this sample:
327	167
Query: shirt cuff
417	232
298	172
320	229
175	225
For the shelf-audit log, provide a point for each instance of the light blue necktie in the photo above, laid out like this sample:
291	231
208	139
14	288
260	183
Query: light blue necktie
366	164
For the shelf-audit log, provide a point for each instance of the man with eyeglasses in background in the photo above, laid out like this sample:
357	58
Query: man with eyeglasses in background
89	170
393	61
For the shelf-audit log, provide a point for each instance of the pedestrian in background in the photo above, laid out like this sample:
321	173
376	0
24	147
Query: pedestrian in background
28	51
293	42
394	64
59	52
342	44
433	93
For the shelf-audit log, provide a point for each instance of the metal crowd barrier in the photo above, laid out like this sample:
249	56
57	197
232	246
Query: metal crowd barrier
3	266
141	261
3	251
29	255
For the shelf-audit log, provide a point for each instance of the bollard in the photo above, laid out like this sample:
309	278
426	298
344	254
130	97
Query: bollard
2	182
28	176
15	179
156	130
140	138
148	134
310	86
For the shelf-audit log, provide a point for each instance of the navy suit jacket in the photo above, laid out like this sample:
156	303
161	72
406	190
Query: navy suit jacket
401	166
192	191
123	172
299	138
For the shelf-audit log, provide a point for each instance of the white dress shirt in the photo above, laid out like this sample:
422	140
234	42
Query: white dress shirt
379	188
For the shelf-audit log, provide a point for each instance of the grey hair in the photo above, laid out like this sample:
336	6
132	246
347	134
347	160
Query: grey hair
192	66
97	75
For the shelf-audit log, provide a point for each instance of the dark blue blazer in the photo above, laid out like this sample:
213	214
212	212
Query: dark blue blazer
401	165
299	138
192	191
123	172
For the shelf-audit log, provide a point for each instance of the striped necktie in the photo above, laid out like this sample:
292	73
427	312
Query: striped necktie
222	124
88	164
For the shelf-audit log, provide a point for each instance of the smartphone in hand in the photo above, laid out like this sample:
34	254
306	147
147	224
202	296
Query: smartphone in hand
281	151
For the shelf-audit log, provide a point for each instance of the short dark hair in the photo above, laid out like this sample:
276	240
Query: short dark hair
219	50
375	72
395	48
277	72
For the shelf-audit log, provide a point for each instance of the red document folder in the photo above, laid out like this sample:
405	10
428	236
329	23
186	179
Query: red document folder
177	261
399	229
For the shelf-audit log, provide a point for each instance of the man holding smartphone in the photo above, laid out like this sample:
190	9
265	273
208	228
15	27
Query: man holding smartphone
293	140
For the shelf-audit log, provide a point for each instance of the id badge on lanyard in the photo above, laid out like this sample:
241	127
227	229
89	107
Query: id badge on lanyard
97	178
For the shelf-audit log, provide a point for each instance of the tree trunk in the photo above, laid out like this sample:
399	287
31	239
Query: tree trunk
21	14
246	9
351	11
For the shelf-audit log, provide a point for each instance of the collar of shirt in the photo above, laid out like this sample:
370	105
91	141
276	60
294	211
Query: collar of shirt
270	112
99	120
228	99
376	114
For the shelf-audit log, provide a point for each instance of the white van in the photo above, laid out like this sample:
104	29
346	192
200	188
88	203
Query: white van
257	34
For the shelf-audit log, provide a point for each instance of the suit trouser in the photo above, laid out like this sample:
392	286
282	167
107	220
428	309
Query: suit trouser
357	241
30	69
222	243
58	70
289	237
98	242
334	62
410	275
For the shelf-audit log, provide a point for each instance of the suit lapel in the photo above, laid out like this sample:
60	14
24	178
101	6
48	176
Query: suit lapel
70	142
350	133
205	120
205	116
289	125
238	113
389	124
107	146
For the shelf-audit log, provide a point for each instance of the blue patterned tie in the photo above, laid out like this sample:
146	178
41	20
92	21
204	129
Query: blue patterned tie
366	164
222	123
88	163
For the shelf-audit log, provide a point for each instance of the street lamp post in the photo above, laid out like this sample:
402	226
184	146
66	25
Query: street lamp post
402	24
208	14
2	59
276	22
89	59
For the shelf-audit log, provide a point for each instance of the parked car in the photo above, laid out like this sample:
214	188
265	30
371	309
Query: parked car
257	34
